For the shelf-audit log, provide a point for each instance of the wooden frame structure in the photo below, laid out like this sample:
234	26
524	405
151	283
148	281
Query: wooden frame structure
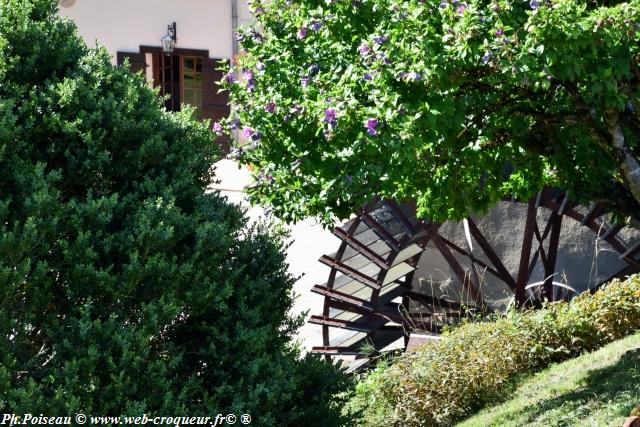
370	286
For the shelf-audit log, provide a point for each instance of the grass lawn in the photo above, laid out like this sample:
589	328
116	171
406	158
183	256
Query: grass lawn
596	389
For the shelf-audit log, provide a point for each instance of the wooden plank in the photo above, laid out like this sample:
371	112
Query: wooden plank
384	234
401	217
350	272
368	326
364	250
335	351
356	302
389	313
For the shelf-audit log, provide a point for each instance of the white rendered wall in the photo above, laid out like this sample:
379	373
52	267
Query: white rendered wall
124	25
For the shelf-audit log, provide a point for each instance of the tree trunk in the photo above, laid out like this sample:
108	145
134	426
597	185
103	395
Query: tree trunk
629	165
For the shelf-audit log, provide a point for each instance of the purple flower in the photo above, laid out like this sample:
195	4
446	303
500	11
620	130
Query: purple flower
383	58
370	125
270	107
260	66
506	40
247	132
462	8
534	4
412	76
255	137
217	128
367	76
304	81
499	32
229	77
364	49
495	7
330	116
443	5
286	118
248	76
238	36
380	39
258	10
348	179
315	25
486	57
302	33
313	69
234	124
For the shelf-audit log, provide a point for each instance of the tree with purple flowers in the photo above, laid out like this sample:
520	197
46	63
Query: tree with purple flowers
452	104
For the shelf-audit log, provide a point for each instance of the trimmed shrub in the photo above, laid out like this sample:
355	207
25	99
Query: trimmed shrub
473	363
124	287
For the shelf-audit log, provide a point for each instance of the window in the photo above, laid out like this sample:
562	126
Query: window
167	77
192	81
189	76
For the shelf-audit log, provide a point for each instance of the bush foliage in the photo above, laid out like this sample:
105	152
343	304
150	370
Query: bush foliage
124	287
453	104
472	364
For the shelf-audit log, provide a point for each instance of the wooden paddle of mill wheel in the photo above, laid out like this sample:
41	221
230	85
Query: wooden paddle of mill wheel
381	286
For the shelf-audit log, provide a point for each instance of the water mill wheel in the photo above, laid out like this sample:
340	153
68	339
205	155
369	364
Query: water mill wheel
395	275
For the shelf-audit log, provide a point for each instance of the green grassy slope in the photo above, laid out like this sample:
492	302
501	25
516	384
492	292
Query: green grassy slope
596	389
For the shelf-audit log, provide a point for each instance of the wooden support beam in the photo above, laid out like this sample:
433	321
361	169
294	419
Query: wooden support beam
491	254
595	211
525	253
554	241
467	283
611	231
631	252
467	254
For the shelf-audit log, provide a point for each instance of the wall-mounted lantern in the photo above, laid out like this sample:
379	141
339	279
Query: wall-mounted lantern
169	40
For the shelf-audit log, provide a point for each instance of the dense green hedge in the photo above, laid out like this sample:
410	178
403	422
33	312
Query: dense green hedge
472	364
125	288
